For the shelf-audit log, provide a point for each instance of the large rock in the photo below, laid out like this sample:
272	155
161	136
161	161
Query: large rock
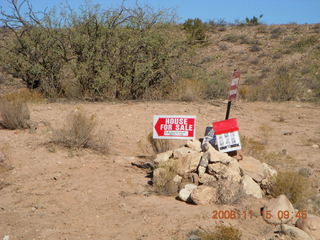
230	171
310	225
229	191
188	163
253	168
208	179
204	195
216	156
269	171
194	144
182	152
250	187
274	207
163	157
295	233
184	194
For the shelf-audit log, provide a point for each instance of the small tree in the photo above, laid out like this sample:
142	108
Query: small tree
195	29
254	20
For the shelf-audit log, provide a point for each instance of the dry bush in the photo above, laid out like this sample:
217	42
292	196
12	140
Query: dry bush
24	95
79	132
5	164
221	232
159	145
257	149
295	186
284	86
15	114
164	184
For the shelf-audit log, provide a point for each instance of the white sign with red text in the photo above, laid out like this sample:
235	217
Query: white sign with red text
174	127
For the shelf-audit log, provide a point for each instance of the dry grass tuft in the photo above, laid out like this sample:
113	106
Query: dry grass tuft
164	183
257	149
222	232
159	145
24	95
15	114
79	132
295	186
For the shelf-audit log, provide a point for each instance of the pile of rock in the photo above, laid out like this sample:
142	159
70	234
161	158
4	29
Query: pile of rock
291	223
205	175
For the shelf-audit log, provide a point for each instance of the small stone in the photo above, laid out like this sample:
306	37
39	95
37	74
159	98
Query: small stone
315	146
201	170
306	172
177	179
184	194
204	160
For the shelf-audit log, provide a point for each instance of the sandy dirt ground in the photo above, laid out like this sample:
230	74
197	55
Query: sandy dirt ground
53	193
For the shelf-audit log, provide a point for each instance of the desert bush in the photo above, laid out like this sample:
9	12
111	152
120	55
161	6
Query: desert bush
14	114
79	132
304	43
255	48
164	183
216	85
24	95
221	232
196	30
231	37
159	145
284	86
295	186
122	53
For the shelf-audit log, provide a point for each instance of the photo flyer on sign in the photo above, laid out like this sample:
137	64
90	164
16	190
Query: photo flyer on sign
227	134
174	127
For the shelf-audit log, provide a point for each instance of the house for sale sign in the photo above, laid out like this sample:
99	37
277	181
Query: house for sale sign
227	134
174	127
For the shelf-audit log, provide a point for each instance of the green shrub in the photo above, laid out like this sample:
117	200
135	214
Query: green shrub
304	43
292	184
196	30
284	86
222	232
216	85
254	20
15	114
124	53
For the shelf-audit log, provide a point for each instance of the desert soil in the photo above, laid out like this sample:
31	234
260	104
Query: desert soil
54	193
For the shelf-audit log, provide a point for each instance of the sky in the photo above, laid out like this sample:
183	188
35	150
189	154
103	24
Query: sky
274	11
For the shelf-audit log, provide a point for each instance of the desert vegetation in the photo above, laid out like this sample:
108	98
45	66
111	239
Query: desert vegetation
85	54
80	131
